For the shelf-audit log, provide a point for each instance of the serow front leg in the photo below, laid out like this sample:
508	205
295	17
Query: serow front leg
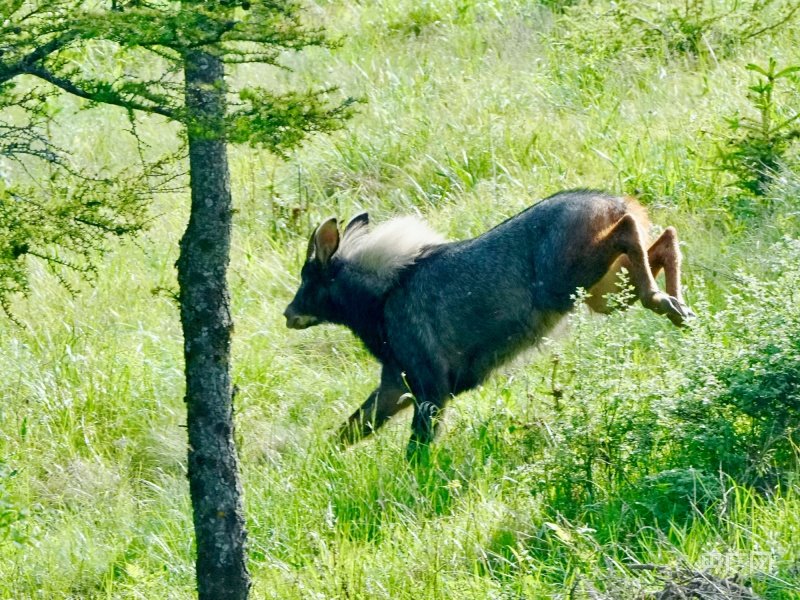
423	430
386	401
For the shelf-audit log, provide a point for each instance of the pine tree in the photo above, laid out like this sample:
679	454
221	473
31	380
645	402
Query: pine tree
176	58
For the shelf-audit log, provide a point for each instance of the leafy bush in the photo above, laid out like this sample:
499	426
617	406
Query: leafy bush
739	410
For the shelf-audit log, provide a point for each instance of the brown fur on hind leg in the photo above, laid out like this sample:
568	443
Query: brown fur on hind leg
627	237
664	254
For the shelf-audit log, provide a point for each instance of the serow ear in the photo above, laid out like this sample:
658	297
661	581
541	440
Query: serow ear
326	241
310	249
360	220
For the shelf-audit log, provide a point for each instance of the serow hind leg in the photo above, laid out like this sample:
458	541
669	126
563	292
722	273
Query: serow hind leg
665	254
625	237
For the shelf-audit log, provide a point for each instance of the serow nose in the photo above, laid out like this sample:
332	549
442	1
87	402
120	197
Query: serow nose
296	320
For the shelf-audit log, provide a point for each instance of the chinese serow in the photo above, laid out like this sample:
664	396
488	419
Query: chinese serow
441	315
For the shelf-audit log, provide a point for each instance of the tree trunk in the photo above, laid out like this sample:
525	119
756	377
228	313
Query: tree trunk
205	315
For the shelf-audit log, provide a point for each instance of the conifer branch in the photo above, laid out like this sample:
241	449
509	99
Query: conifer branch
101	96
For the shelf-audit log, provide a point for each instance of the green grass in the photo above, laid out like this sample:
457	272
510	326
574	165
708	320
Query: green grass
471	111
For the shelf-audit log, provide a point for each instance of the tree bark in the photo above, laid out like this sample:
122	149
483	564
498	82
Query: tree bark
214	484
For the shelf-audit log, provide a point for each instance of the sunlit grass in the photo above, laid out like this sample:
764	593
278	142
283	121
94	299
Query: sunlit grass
471	112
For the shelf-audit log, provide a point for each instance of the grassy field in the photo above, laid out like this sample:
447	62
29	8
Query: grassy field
596	466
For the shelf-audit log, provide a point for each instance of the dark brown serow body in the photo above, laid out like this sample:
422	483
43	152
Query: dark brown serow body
454	311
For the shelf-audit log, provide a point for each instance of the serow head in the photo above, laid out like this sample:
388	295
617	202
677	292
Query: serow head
315	302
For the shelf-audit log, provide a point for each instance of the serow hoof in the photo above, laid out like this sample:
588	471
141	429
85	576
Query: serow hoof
675	310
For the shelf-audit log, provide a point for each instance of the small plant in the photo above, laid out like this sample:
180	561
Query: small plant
756	148
11	515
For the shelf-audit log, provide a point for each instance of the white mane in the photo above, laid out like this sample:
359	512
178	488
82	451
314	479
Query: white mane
390	246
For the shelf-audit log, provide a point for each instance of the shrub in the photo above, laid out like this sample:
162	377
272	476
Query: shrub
739	409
